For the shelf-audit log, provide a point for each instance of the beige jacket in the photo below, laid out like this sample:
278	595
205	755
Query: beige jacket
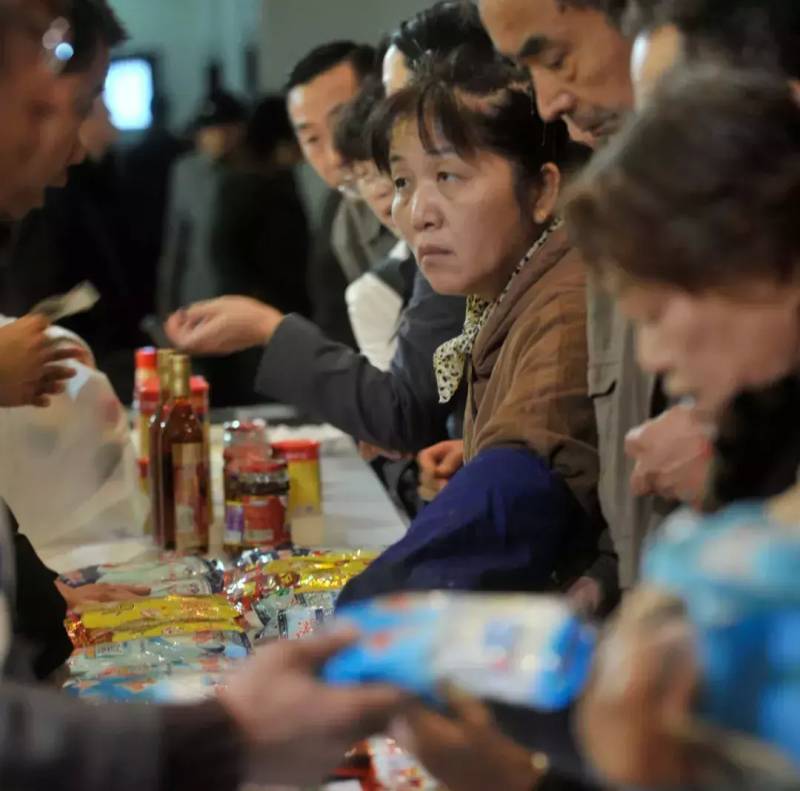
623	399
527	373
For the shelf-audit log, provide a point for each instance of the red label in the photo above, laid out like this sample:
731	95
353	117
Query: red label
265	521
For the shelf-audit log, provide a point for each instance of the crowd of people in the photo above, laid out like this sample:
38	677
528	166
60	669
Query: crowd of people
553	297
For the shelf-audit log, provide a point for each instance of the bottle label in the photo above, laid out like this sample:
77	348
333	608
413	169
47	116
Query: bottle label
191	508
265	521
234	523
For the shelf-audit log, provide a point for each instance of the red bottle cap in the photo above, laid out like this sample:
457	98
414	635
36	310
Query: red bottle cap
147	359
200	385
297	449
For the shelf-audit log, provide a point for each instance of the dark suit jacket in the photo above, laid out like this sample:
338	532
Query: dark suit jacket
398	409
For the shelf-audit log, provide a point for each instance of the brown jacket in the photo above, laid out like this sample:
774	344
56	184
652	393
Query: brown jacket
527	375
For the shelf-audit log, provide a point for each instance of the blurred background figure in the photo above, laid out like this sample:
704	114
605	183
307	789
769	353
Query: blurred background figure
146	170
235	223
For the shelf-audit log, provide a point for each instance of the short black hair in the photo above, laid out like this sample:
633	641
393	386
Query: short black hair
95	26
483	109
751	33
351	136
438	31
327	57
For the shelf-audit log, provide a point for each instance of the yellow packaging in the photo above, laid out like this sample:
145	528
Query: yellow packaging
305	476
148	611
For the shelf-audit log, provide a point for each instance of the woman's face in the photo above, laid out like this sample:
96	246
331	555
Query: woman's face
461	218
711	346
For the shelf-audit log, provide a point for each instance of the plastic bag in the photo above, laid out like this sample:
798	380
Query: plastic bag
72	477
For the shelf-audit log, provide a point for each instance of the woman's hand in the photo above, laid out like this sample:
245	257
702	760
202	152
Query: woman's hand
223	326
29	363
437	465
466	752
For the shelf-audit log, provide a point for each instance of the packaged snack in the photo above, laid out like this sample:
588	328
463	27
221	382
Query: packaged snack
189	687
142	618
158	652
395	770
168	568
523	650
299	622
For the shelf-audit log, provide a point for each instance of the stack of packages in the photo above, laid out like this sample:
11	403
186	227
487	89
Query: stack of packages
201	618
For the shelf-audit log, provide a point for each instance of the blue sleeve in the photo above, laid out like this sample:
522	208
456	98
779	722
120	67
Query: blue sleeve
502	524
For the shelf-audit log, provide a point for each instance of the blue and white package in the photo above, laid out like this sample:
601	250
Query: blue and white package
524	650
739	574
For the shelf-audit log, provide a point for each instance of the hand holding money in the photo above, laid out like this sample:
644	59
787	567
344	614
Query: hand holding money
30	369
79	300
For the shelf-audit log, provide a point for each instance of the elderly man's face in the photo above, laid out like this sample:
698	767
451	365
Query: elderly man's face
579	63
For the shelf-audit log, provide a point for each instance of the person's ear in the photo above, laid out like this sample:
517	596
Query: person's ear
549	189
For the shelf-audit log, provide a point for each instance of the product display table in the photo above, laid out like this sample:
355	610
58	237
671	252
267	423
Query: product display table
357	512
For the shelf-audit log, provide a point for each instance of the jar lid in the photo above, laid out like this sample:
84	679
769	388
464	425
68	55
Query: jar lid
147	358
297	449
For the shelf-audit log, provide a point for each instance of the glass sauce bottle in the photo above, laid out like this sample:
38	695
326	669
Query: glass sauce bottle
157	424
185	490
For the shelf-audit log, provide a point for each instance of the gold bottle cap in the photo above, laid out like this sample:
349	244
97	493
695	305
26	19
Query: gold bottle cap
181	375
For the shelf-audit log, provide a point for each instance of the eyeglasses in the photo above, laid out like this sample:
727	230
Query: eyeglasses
361	177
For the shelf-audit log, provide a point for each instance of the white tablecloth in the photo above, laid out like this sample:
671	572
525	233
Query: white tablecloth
358	513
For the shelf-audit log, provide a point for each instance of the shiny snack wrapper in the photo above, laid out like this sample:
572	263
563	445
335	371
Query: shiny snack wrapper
312	575
158	652
82	637
168	568
142	618
184	687
287	614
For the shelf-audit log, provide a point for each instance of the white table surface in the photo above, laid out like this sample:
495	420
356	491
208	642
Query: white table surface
357	513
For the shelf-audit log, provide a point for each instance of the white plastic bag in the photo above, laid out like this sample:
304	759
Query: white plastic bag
69	472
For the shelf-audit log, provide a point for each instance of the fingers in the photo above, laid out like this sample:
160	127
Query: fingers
126	592
57	352
641	482
430	458
450	464
203	337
